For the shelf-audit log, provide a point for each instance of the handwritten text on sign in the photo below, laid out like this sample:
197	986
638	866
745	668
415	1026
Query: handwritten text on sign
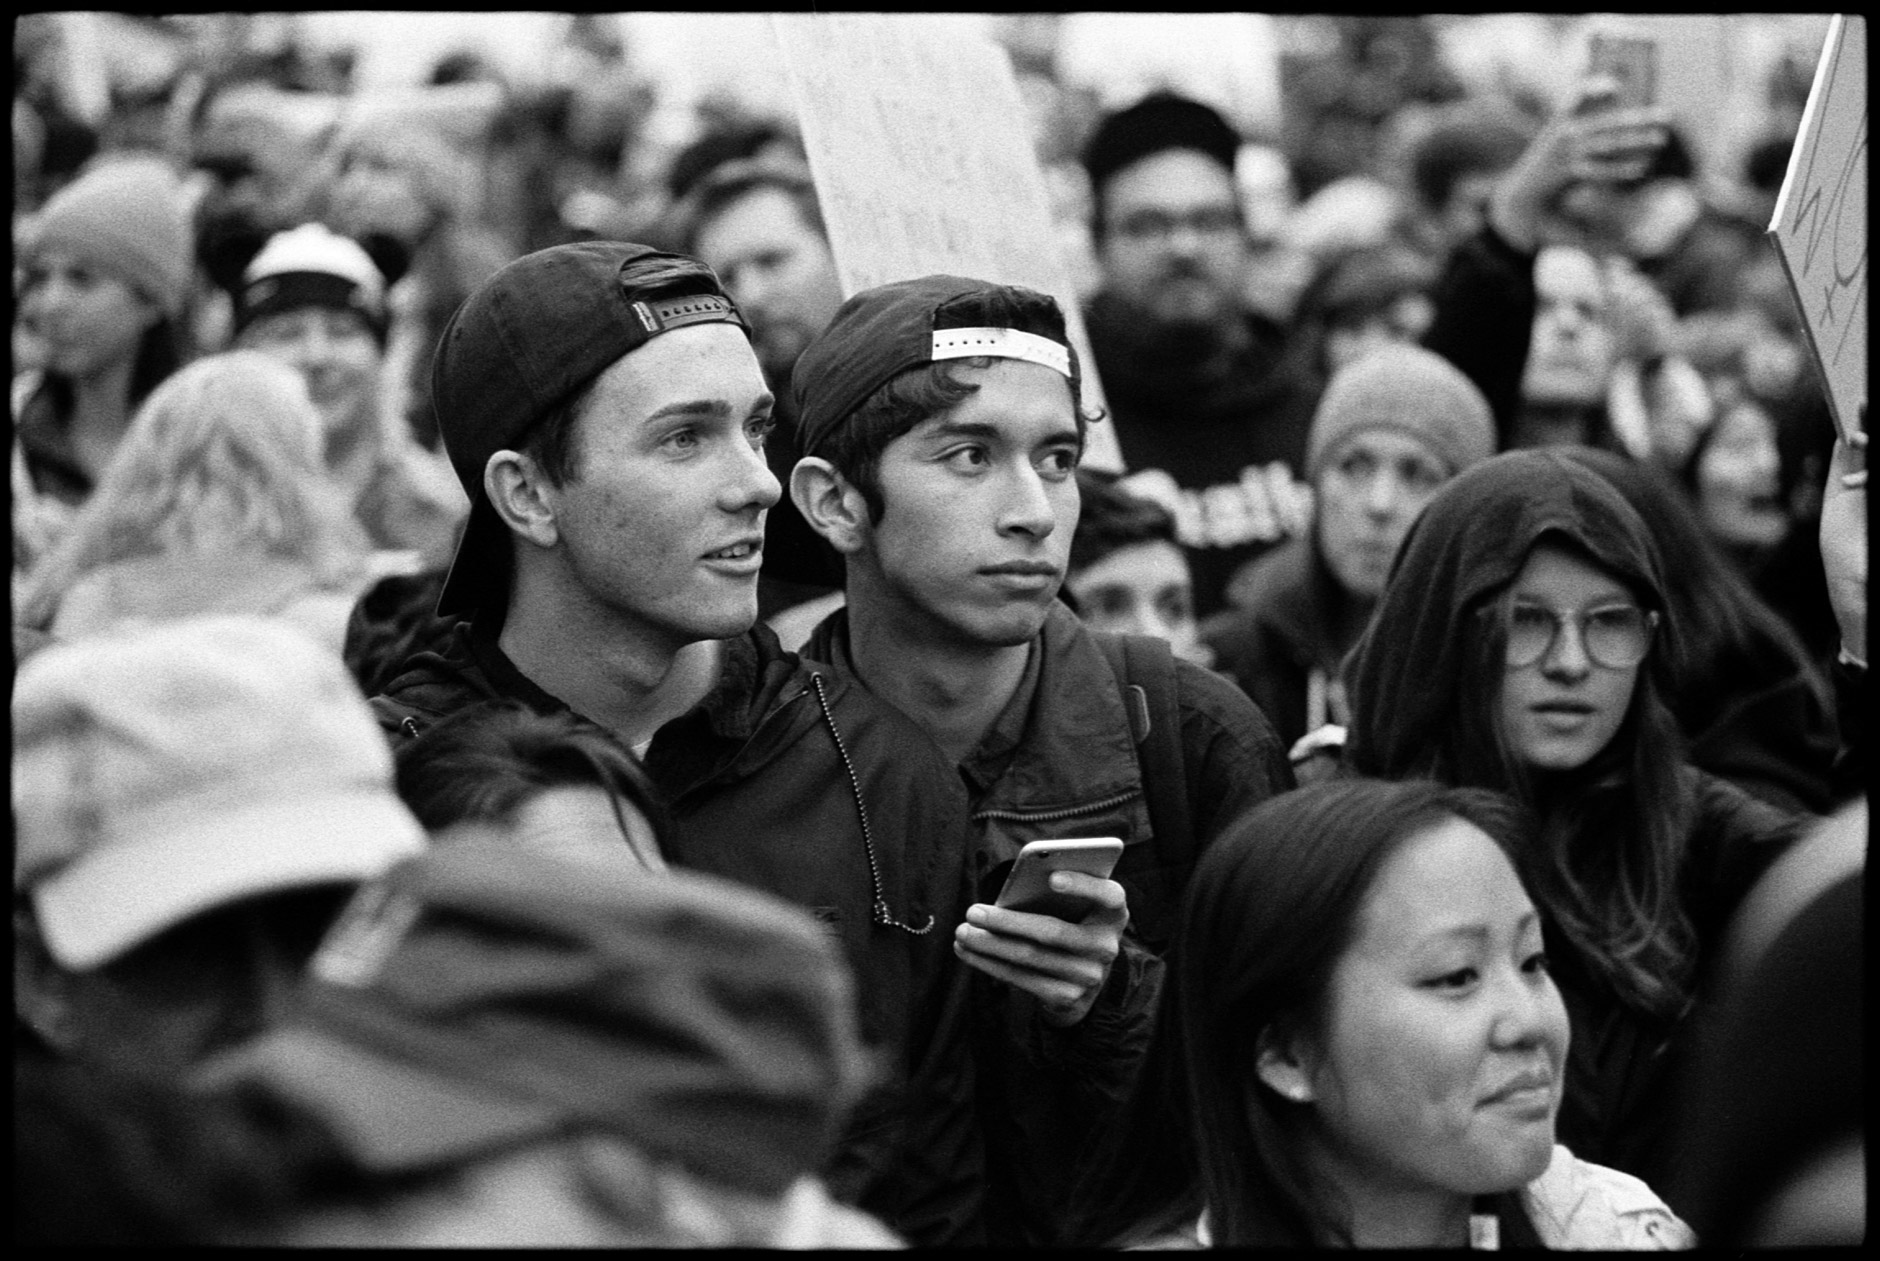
1820	221
918	141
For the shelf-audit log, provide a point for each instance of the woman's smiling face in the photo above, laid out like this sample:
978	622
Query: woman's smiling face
1438	1064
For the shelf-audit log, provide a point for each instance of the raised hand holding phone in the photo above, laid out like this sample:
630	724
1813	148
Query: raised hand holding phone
1061	948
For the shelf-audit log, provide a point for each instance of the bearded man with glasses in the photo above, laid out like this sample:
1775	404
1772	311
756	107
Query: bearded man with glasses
1210	411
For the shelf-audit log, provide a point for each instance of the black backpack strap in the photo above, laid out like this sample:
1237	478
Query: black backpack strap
1145	671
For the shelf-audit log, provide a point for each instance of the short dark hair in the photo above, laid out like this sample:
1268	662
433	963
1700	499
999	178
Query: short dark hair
550	440
854	446
735	180
1113	519
1157	123
743	138
483	763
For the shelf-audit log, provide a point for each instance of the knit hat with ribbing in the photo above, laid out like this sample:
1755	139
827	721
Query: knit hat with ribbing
1408	389
127	218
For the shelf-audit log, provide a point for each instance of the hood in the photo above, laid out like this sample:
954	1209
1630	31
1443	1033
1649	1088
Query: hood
1471	541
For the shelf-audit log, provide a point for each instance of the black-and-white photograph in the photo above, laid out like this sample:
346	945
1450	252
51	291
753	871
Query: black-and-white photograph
877	630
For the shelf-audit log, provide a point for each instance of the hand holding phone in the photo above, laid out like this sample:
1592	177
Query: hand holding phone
1057	947
1028	885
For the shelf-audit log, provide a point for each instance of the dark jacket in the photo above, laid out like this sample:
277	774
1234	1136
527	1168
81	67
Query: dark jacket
1060	762
1178	407
1484	320
760	791
1408	677
1284	631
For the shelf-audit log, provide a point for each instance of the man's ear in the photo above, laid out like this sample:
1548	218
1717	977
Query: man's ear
831	505
523	497
1280	1062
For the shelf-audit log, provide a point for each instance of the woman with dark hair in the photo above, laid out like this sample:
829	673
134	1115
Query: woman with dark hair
552	781
1753	705
103	274
1360	1045
1525	643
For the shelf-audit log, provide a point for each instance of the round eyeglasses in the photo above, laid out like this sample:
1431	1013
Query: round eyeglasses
1616	636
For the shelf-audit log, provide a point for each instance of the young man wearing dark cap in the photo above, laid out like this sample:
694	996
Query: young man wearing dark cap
603	408
942	428
1210	410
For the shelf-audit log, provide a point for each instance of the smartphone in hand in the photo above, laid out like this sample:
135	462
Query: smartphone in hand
1028	885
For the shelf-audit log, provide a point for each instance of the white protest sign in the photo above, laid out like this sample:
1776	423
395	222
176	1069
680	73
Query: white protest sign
1820	223
921	151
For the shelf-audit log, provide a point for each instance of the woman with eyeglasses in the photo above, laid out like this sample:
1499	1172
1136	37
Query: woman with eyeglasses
1523	644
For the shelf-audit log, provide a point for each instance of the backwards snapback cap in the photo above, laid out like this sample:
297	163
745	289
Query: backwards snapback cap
882	332
527	341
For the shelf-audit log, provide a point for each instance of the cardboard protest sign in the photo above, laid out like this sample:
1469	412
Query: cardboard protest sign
919	145
1820	223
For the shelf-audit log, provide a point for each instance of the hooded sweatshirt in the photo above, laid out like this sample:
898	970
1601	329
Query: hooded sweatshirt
1406	680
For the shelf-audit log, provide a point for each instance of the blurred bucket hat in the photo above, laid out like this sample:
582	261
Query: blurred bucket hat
161	772
480	997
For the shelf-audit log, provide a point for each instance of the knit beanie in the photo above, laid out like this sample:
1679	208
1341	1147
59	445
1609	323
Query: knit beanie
312	265
1408	389
127	218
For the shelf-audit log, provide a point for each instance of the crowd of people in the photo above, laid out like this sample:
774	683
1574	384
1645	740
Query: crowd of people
526	697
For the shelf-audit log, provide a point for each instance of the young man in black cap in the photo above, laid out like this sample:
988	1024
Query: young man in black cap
603	409
943	432
1211	412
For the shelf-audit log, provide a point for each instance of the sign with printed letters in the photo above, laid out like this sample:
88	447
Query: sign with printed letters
919	145
1820	223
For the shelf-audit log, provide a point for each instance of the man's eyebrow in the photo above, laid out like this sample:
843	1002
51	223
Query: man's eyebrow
709	408
986	430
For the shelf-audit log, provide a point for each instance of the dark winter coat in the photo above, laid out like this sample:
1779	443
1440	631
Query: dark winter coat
1060	762
1178	408
761	791
1282	643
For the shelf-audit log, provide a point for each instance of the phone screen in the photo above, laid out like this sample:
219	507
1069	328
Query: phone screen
1631	62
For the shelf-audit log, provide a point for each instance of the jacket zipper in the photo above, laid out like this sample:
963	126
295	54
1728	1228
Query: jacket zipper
1049	816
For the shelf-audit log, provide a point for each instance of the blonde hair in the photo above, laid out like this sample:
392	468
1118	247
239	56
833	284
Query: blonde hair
226	455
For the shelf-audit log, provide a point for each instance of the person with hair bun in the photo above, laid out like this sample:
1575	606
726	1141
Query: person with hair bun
1524	642
103	274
